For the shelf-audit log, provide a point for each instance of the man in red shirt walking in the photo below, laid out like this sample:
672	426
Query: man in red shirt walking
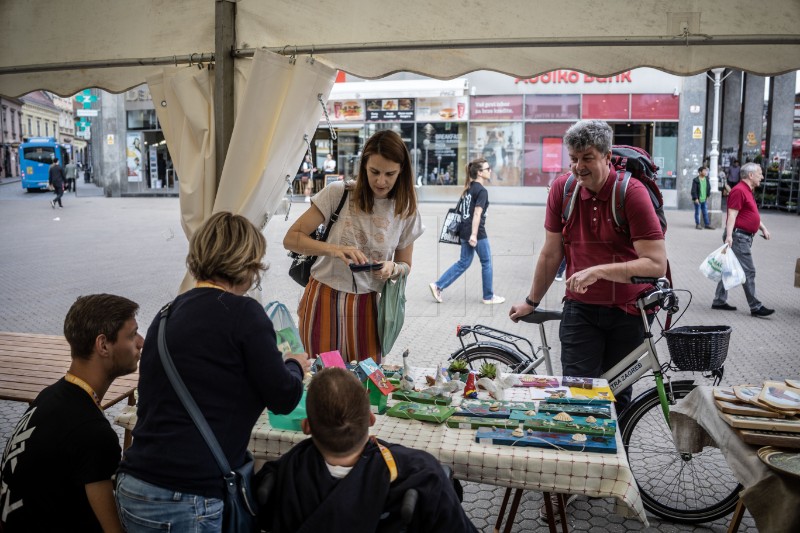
743	223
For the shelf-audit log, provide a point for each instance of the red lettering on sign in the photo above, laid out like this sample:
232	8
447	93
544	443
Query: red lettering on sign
573	77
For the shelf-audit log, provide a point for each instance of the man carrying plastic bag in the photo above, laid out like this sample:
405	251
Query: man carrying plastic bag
722	265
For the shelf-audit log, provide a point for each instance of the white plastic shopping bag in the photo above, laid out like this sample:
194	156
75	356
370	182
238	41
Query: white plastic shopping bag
732	271
711	267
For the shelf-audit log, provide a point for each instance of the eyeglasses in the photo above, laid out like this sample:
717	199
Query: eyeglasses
487	168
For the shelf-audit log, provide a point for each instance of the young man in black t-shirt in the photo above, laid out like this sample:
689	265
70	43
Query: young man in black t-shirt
58	463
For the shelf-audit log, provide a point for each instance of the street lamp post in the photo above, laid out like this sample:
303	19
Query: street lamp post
715	198
426	144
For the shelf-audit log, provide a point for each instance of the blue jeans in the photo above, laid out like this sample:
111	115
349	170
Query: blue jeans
698	208
144	507
460	266
594	338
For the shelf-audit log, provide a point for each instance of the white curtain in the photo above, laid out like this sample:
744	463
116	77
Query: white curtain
277	107
184	102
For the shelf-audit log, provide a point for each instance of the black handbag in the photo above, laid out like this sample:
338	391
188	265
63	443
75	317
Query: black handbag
300	269
451	227
239	514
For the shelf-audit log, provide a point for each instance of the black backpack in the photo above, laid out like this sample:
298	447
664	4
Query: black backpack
629	162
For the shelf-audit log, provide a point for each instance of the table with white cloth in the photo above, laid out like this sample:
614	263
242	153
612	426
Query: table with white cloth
772	498
546	470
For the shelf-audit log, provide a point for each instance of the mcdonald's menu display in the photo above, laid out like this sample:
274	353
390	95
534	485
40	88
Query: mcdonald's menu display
345	110
390	110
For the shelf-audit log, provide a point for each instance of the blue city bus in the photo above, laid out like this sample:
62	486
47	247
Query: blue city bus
35	157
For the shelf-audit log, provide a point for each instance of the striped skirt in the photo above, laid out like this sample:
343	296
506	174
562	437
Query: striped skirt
334	320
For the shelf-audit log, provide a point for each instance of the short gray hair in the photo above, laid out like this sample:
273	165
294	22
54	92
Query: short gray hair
747	169
587	133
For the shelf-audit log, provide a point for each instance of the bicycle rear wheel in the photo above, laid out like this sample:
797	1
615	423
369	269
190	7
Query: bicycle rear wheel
506	360
684	488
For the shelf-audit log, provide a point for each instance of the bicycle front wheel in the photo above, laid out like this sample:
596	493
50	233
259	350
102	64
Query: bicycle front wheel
476	355
684	488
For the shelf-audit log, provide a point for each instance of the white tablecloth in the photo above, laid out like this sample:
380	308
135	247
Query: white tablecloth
566	472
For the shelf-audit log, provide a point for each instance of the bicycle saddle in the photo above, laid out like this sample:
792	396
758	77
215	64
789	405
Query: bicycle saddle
540	316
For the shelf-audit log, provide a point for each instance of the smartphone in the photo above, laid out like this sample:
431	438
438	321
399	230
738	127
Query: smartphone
365	267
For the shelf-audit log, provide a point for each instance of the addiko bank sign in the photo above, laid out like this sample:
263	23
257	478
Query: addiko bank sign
573	77
636	81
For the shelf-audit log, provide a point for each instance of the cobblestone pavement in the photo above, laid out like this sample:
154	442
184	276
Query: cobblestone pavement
135	247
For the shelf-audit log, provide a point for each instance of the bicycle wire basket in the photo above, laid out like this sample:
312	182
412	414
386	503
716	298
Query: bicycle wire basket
698	348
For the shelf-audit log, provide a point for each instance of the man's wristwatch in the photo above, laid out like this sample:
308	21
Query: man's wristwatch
531	303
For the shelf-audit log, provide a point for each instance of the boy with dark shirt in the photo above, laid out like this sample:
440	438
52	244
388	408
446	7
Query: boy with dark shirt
341	479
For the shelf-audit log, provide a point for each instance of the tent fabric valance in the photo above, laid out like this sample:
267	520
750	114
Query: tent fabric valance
39	32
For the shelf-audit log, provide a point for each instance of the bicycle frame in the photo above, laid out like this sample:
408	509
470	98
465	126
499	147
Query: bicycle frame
533	360
644	357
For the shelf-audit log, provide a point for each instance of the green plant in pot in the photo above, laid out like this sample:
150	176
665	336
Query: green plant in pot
459	366
487	370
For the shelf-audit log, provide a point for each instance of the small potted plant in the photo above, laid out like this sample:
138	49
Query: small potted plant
487	370
460	367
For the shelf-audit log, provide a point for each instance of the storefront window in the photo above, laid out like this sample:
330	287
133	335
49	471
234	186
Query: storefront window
349	145
553	107
500	143
654	106
606	106
404	130
142	119
442	149
665	153
546	157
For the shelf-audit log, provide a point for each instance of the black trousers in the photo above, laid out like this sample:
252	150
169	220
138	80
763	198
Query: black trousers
59	193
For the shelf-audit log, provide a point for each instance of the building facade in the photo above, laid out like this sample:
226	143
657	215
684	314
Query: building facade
10	136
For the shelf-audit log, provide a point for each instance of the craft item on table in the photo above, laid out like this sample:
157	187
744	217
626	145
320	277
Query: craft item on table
747	393
781	461
492	408
725	394
458	369
330	359
475	422
391	371
421	411
442	385
745	409
377	384
780	396
517	432
292	421
470	390
770	438
564	423
539	382
596	410
579	401
794	383
789	425
542	439
595	393
497	387
406	382
421	397
543	394
577	383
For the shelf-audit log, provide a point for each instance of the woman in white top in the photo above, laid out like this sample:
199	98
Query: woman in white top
378	224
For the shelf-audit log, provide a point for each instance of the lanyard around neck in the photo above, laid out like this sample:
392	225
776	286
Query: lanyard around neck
75	380
209	285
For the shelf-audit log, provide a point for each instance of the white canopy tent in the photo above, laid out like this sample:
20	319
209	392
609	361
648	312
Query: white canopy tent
64	47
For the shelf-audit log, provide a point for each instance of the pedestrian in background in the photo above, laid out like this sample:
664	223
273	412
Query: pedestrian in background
474	205
378	224
71	173
56	180
699	197
743	222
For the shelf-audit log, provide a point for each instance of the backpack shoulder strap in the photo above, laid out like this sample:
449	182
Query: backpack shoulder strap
568	200
618	205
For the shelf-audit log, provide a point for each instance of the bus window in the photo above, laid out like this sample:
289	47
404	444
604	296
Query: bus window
39	154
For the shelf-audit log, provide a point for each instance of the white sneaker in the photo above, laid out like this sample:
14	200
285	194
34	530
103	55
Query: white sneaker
436	292
495	300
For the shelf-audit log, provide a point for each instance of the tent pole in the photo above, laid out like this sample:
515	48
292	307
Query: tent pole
224	43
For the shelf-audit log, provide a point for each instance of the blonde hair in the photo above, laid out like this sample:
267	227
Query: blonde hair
227	247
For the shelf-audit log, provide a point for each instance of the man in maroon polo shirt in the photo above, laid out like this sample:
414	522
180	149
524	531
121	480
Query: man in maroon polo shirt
743	223
600	324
